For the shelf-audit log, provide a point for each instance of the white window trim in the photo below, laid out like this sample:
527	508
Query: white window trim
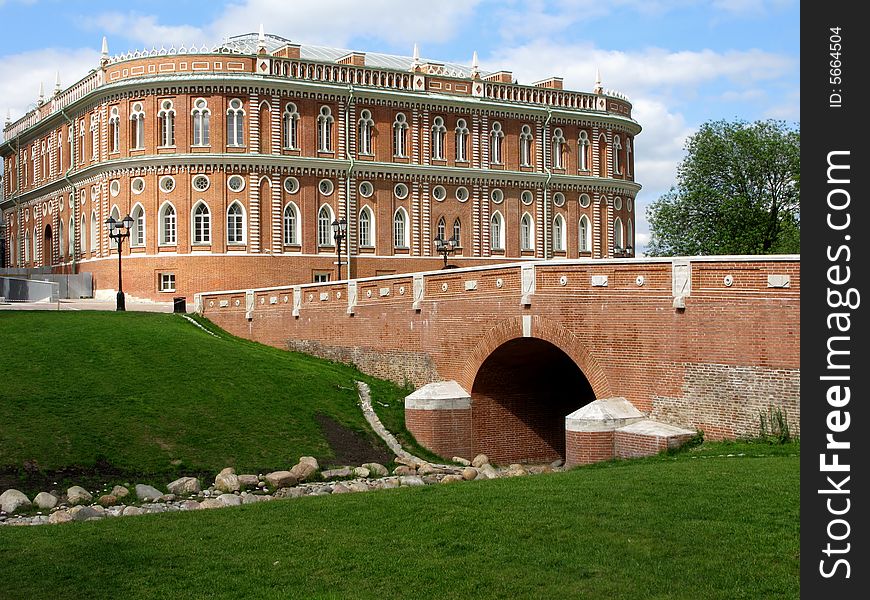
244	239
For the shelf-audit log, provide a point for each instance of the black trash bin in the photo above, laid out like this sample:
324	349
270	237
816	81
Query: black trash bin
179	304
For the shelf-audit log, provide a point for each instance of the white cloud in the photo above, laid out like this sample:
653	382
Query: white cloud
145	29
750	7
21	74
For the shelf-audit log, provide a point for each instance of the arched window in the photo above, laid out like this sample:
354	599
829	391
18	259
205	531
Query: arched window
324	226
137	127
496	138
558	147
95	138
496	231
37	253
400	135
629	235
628	161
166	119
290	127
526	146
167	225
201	223
617	235
461	140
83	237
441	229
585	235
602	156
291	225
71	241
400	229
95	231
617	147
201	116
115	214
324	129
60	245
235	123
527	233
26	247
439	131
583	144
457	231
366	227
559	234
137	232
235	224
114	131
366	125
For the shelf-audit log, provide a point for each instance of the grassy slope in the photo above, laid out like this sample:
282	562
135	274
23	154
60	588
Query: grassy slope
665	528
143	390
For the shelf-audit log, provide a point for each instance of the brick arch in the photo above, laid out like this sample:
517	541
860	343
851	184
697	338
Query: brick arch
543	329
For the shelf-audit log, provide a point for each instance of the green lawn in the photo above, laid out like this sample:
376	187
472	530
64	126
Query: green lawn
657	528
153	396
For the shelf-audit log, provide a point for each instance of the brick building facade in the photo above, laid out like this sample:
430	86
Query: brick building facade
234	161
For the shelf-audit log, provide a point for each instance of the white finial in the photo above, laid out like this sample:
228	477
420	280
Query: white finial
8	116
56	83
474	65
416	55
261	41
598	89
262	38
105	52
41	93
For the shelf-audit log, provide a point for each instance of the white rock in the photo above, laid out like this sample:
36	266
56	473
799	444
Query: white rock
487	471
45	500
361	472
227	480
411	480
480	460
119	491
184	486
12	500
60	516
279	479
376	469
78	495
229	500
310	460
131	511
461	461
147	493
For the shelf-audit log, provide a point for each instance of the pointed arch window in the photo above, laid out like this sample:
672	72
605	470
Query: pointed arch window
496	231
439	131
166	119
617	147
583	144
137	232
114	131
60	241
235	123
324	226
324	129
235	224
585	235
95	137
400	229
201	117
95	230
628	157
496	140
617	235
115	214
526	146
291	225
559	234
366	227
400	135
457	231
558	148
461	140
168	225
201	223
137	127
26	247
527	234
366	125
441	229
290	127
83	238
629	236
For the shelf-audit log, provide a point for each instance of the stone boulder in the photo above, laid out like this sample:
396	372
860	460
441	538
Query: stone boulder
147	493
229	500
461	461
452	478
361	472
291	492
83	513
407	461
516	470
309	460
184	486
78	495
107	500
411	481
45	501
336	473
469	473
247	482
404	471
279	479
376	469
304	470
480	460
341	488
132	511
59	516
211	503
12	500
227	481
119	491
487	471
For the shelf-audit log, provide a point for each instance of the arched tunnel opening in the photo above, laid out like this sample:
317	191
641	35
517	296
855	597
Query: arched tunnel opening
519	400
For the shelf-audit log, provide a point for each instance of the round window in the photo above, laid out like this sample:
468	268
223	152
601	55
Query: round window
291	185
115	188
326	187
200	183
584	200
617	203
497	196
401	191
167	183
629	204
439	193
366	189
462	194
527	197
236	183
559	199
137	184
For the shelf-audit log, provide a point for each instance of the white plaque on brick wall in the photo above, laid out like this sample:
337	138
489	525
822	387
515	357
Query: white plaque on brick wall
681	278
778	281
470	285
599	281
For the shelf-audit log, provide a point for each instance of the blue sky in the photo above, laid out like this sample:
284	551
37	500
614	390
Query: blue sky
681	62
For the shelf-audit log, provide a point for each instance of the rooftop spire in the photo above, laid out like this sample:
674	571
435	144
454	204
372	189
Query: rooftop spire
261	41
104	54
475	70
41	93
597	89
56	83
8	116
416	56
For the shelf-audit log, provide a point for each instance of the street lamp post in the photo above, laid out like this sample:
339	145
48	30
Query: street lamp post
445	247
339	232
118	230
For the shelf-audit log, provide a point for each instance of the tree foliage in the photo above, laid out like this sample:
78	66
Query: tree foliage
738	192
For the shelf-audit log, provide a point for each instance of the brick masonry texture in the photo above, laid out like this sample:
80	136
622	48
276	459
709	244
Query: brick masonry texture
734	350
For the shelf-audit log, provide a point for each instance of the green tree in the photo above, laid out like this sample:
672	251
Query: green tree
738	192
